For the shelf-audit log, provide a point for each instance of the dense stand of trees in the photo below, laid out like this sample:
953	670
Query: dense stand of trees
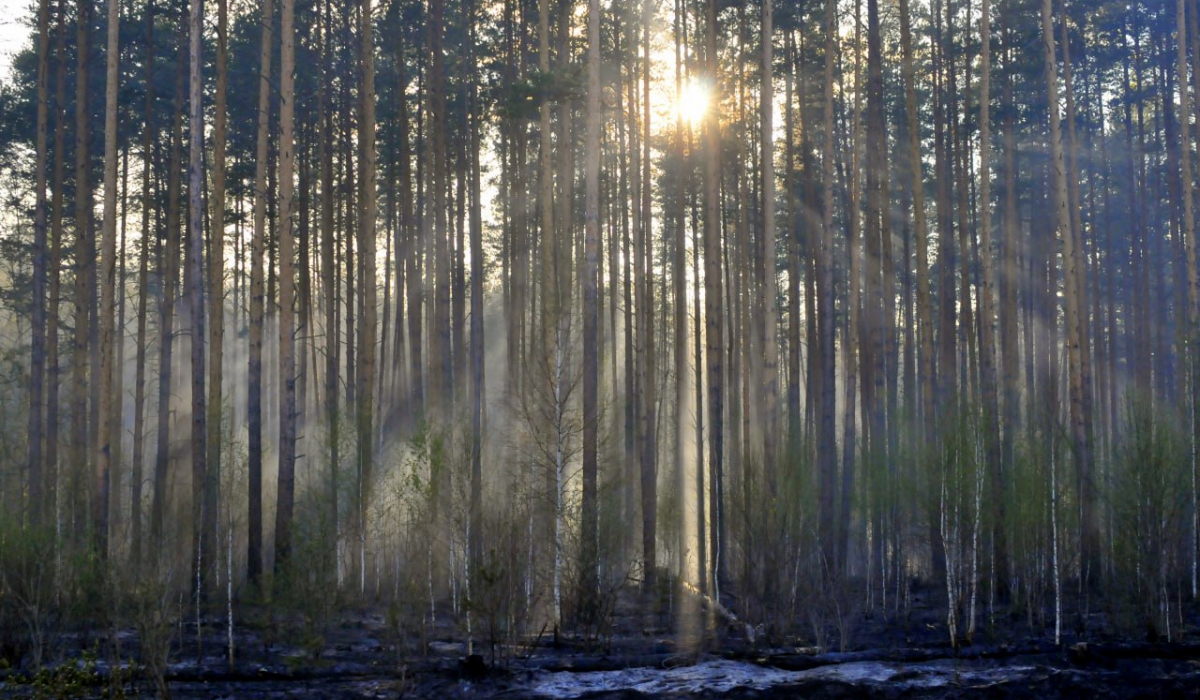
490	307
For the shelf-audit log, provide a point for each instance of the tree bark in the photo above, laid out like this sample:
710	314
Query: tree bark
649	451
50	474
254	409
37	350
169	267
366	260
329	282
148	234
591	315
216	282
203	511
826	434
712	302
769	413
1071	295
84	260
286	489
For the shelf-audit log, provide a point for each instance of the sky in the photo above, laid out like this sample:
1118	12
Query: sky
14	29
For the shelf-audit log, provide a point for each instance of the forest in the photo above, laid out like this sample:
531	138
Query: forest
763	324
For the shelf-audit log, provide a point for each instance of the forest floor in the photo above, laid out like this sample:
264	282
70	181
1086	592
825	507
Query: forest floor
365	654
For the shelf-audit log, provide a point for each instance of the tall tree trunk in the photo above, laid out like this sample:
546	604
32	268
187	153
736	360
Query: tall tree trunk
826	433
679	293
629	400
51	477
649	455
1090	526
413	274
712	301
365	415
203	511
591	314
254	407
216	280
169	267
148	234
409	254
987	295
947	367
286	490
84	260
37	350
1189	241
458	282
769	413
880	304
1009	280
477	306
852	340
1071	309
925	354
794	244
441	387
329	282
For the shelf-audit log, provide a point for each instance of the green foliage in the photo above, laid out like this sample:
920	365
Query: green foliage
1027	526
1150	501
72	679
307	585
154	614
29	611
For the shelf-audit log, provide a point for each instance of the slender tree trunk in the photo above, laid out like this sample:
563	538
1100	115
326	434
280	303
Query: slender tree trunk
216	284
254	409
50	474
1193	296
852	339
148	234
1077	267
991	407
442	367
352	304
769	413
84	260
1009	280
879	306
37	350
649	456
367	273
477	307
958	155
413	274
629	399
826	434
703	521
286	489
947	368
409	251
679	293
169	267
591	315
925	353
712	302
304	304
329	282
203	512
794	247
1071	295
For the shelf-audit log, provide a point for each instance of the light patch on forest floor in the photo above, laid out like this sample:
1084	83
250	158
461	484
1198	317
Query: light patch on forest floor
723	676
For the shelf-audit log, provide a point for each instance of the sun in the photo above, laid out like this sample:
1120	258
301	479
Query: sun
692	103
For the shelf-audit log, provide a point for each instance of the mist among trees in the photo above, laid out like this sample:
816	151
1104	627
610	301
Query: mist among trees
511	317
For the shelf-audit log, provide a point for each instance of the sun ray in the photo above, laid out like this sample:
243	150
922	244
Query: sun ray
692	102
